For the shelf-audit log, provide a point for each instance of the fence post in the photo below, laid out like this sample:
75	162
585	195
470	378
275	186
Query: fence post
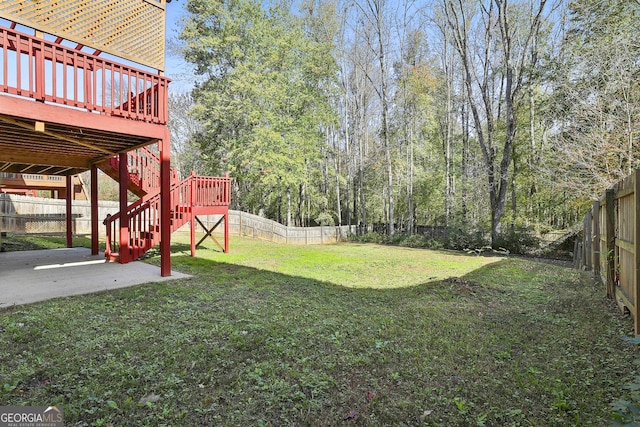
611	241
596	238
636	255
587	240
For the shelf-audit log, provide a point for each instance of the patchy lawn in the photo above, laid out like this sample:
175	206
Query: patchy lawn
331	335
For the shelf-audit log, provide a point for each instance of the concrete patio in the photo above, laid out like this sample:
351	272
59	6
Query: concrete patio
32	276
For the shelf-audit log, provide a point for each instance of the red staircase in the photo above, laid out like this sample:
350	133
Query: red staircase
194	195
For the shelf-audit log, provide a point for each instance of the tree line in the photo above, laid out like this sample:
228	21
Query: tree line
492	115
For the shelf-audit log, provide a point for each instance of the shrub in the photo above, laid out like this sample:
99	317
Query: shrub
518	240
325	219
460	237
399	239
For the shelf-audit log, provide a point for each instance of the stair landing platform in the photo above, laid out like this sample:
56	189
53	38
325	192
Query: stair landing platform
32	276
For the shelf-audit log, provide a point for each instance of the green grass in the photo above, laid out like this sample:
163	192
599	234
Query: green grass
31	242
331	335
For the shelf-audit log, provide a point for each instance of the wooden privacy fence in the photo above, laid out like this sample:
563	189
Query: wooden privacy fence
610	244
246	224
24	214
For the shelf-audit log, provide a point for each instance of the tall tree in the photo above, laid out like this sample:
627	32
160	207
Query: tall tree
494	69
184	128
260	97
373	11
596	97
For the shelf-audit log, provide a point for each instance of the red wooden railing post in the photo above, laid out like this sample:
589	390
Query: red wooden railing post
192	215
68	198
125	255
39	58
226	201
94	210
165	205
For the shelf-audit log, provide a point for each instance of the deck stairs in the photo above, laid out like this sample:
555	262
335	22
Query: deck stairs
194	195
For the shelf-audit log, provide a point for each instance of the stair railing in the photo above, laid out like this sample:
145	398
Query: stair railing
144	215
144	169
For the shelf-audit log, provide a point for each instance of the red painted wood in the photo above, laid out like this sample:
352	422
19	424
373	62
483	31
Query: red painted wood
94	210
226	232
192	217
123	244
192	196
165	205
25	109
69	212
133	96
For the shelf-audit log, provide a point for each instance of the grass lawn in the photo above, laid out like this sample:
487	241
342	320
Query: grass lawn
330	335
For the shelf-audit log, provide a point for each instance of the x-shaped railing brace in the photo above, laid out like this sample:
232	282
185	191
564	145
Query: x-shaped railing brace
209	231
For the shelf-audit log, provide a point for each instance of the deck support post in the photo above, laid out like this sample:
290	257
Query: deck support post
192	216
165	205
94	210
125	255
226	230
69	212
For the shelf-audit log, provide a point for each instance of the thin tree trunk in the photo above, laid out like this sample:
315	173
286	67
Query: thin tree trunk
288	205
337	169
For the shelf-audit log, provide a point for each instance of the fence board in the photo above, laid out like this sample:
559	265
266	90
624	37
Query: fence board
595	217
636	255
23	214
611	238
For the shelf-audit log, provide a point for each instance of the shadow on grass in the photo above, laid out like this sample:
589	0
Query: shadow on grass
237	345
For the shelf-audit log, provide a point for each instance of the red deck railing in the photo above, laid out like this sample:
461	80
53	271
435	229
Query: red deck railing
144	169
144	215
47	71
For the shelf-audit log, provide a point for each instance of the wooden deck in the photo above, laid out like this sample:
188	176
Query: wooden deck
23	183
63	110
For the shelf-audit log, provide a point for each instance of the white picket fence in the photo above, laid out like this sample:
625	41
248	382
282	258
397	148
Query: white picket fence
23	214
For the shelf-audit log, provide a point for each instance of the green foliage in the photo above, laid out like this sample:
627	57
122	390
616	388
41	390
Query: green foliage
399	239
262	99
325	219
626	409
461	236
518	240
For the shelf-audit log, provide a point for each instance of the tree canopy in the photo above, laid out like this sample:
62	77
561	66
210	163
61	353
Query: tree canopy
465	113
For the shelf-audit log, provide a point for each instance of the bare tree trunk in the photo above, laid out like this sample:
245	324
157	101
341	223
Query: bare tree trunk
300	214
336	164
410	208
288	205
375	15
448	66
385	116
464	160
513	65
514	194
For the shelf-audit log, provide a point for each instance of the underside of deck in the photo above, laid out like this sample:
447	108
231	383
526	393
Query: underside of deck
54	140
